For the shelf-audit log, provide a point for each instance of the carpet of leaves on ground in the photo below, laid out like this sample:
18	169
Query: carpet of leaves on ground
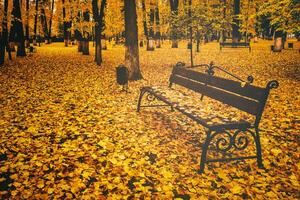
67	131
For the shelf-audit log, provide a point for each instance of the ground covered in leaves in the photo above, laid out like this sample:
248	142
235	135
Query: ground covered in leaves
67	131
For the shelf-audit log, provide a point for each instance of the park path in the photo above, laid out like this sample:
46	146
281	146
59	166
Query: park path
68	131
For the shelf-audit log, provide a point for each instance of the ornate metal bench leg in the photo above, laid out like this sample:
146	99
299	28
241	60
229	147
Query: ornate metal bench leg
204	152
258	149
172	109
140	100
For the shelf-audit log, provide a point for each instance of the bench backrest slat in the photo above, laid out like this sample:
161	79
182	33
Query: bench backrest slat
247	105
222	83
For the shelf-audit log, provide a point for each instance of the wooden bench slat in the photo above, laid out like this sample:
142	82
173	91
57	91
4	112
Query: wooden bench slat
204	122
227	126
249	91
244	104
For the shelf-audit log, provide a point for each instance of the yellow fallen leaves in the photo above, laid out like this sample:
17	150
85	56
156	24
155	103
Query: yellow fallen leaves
236	189
40	184
276	152
294	180
71	134
50	190
167	174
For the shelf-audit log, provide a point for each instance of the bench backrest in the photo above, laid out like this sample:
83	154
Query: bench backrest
234	43
248	98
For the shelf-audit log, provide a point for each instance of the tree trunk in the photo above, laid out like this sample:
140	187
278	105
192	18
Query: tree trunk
78	37
35	22
103	42
146	33
157	23
85	42
278	43
66	26
150	42
44	25
2	48
236	22
50	23
224	24
174	10
79	43
18	27
85	47
131	40
284	36
191	32
98	17
98	48
256	25
12	37
4	35
27	42
198	37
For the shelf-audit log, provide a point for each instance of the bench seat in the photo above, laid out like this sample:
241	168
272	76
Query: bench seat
203	114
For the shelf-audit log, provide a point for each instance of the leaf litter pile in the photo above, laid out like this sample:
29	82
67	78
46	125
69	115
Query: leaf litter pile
67	131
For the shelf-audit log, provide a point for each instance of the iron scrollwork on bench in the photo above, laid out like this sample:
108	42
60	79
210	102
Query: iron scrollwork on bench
226	142
226	136
150	97
236	140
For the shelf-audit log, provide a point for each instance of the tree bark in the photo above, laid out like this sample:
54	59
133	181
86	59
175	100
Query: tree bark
103	42
4	35
35	22
50	22
11	37
198	37
157	23
18	27
44	25
27	43
78	34
98	18
66	26
78	37
131	40
191	32
85	42
174	10
145	22
235	25
278	41
150	42
224	24
2	48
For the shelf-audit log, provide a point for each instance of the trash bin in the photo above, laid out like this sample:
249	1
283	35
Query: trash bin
122	75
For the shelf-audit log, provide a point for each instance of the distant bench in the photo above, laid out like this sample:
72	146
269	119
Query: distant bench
235	45
223	133
31	49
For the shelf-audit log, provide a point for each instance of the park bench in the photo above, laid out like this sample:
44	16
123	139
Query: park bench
31	49
235	45
224	135
290	45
